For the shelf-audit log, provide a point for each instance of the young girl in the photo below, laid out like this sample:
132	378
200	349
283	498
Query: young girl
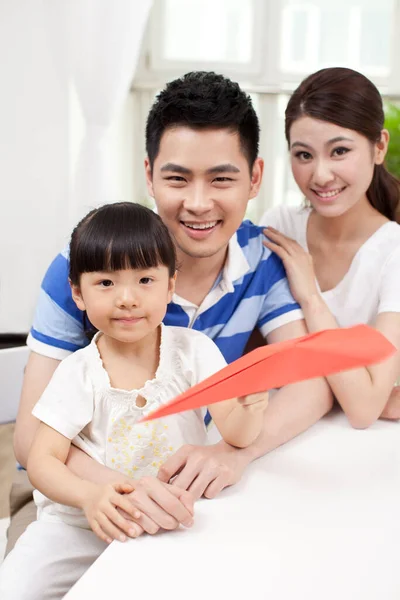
342	251
122	273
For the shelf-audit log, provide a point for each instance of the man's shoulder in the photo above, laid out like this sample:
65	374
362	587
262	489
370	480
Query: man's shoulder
251	240
57	272
55	284
58	324
247	232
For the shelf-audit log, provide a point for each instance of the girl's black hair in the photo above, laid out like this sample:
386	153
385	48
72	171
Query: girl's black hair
119	236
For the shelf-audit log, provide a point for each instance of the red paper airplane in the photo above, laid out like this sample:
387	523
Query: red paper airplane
314	355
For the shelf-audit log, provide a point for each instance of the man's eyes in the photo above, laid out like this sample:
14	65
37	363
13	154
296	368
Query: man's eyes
180	179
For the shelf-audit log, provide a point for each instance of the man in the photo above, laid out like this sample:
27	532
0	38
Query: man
202	168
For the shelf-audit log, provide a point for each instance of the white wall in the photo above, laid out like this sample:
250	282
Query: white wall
40	131
34	165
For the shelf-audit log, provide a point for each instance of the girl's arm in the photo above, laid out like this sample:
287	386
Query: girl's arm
158	505
38	373
240	420
362	393
85	467
49	474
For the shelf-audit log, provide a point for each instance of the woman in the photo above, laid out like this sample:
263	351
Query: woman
342	250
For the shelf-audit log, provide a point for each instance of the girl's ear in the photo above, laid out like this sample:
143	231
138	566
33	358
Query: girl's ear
171	286
77	296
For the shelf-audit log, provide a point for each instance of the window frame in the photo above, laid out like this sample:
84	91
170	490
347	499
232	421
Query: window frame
160	67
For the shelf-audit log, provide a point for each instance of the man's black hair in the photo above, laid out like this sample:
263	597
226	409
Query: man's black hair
203	100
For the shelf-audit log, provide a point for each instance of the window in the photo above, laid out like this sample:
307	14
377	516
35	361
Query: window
220	32
205	34
269	46
348	33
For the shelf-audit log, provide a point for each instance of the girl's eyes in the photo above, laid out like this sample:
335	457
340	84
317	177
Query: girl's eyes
105	283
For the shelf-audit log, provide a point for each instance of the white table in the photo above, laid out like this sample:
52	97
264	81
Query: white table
317	519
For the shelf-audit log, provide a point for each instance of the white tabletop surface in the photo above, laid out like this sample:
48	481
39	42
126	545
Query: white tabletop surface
319	518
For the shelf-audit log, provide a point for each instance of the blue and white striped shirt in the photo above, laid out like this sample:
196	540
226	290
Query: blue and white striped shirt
251	291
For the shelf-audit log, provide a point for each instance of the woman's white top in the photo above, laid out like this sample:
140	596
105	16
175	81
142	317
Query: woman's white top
371	285
80	403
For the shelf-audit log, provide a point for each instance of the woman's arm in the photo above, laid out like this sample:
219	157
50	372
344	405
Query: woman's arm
362	393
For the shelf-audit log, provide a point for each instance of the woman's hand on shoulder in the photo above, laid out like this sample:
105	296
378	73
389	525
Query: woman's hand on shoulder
297	262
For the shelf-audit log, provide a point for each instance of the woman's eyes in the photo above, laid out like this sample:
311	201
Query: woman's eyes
341	151
303	155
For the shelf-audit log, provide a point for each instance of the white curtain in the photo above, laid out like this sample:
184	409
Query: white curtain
104	40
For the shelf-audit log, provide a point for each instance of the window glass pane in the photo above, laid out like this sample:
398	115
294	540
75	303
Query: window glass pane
375	49
212	30
333	43
322	33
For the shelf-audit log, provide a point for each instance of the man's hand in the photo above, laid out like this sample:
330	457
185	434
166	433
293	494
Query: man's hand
160	505
205	470
101	506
